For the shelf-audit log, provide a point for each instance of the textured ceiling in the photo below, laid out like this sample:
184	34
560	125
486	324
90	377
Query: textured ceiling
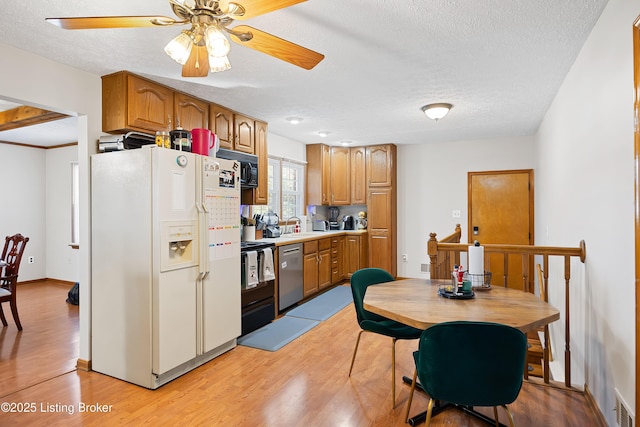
499	63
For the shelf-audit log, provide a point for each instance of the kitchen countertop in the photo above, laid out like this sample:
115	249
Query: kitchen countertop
287	239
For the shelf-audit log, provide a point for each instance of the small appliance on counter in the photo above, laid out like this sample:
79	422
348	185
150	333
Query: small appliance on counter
348	223
320	225
272	229
334	213
361	222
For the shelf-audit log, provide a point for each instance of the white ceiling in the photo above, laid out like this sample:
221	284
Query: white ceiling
499	63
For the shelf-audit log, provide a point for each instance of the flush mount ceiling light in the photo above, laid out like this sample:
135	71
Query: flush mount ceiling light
345	143
324	133
293	120
204	47
437	111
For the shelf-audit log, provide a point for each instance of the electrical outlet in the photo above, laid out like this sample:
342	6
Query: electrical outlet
456	213
31	260
404	258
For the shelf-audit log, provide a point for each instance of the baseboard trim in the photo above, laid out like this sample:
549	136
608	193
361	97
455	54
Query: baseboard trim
64	283
83	365
602	422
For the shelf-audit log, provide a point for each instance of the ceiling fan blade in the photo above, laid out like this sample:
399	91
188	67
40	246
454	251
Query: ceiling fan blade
254	8
198	63
276	47
86	23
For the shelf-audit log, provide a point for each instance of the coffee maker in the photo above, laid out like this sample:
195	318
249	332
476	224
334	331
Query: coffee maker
348	223
334	213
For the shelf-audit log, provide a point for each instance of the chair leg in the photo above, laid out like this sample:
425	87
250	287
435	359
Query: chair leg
355	350
2	318
509	415
413	387
429	412
393	371
14	311
495	416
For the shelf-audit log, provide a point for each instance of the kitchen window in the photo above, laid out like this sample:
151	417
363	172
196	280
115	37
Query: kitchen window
285	189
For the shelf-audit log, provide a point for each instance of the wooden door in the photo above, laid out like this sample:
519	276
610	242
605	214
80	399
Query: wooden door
340	176
221	123
326	175
380	165
310	268
381	224
358	176
501	211
261	193
150	105
244	134
190	112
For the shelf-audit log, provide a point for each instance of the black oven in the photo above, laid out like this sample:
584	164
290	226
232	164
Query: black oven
258	303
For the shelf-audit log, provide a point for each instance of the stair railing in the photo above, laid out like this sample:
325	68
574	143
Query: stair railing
445	253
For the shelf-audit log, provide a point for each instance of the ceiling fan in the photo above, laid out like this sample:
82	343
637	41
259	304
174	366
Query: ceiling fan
204	46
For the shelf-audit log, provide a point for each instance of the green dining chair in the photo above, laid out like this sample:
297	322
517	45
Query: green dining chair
470	364
371	322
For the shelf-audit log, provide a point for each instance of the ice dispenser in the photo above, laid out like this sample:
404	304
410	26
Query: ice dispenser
179	245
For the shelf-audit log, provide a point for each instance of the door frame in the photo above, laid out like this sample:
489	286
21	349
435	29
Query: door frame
636	138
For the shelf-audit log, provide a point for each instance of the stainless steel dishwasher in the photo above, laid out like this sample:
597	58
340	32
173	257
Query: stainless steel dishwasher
290	275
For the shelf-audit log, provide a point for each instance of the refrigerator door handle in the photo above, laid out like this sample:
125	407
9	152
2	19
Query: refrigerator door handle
205	274
204	208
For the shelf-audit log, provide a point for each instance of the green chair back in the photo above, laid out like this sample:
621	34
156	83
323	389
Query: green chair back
360	281
472	363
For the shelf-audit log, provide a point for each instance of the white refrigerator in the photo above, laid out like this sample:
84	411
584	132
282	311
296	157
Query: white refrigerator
165	261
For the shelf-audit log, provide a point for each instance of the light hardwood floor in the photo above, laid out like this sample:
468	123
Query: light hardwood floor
303	384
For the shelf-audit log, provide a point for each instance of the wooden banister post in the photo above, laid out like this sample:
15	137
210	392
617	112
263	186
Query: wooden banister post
432	250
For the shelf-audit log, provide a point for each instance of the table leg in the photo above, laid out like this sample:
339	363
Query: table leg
440	406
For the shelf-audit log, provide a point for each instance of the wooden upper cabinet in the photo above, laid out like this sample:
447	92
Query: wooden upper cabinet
340	173
244	132
380	162
221	123
134	103
259	195
190	112
358	176
318	162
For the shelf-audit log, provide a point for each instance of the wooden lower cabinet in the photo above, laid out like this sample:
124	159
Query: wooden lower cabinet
356	254
381	253
337	259
316	266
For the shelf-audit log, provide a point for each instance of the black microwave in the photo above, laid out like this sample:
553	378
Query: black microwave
248	166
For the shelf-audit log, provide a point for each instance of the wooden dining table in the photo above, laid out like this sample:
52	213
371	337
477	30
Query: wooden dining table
417	303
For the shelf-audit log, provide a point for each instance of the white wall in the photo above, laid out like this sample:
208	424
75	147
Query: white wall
62	262
53	86
432	181
585	190
280	146
23	204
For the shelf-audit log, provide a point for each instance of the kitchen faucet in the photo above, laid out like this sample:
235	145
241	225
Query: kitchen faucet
286	224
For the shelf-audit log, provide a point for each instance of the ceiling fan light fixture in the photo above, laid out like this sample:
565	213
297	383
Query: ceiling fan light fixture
218	63
179	48
437	111
217	43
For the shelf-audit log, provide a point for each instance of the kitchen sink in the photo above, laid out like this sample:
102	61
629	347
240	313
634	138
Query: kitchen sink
297	235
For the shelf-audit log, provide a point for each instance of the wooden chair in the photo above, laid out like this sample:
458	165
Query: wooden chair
11	255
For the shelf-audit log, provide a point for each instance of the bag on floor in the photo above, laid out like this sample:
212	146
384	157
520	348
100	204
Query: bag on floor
73	297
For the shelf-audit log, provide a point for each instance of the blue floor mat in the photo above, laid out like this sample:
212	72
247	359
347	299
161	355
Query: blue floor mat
325	305
277	334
